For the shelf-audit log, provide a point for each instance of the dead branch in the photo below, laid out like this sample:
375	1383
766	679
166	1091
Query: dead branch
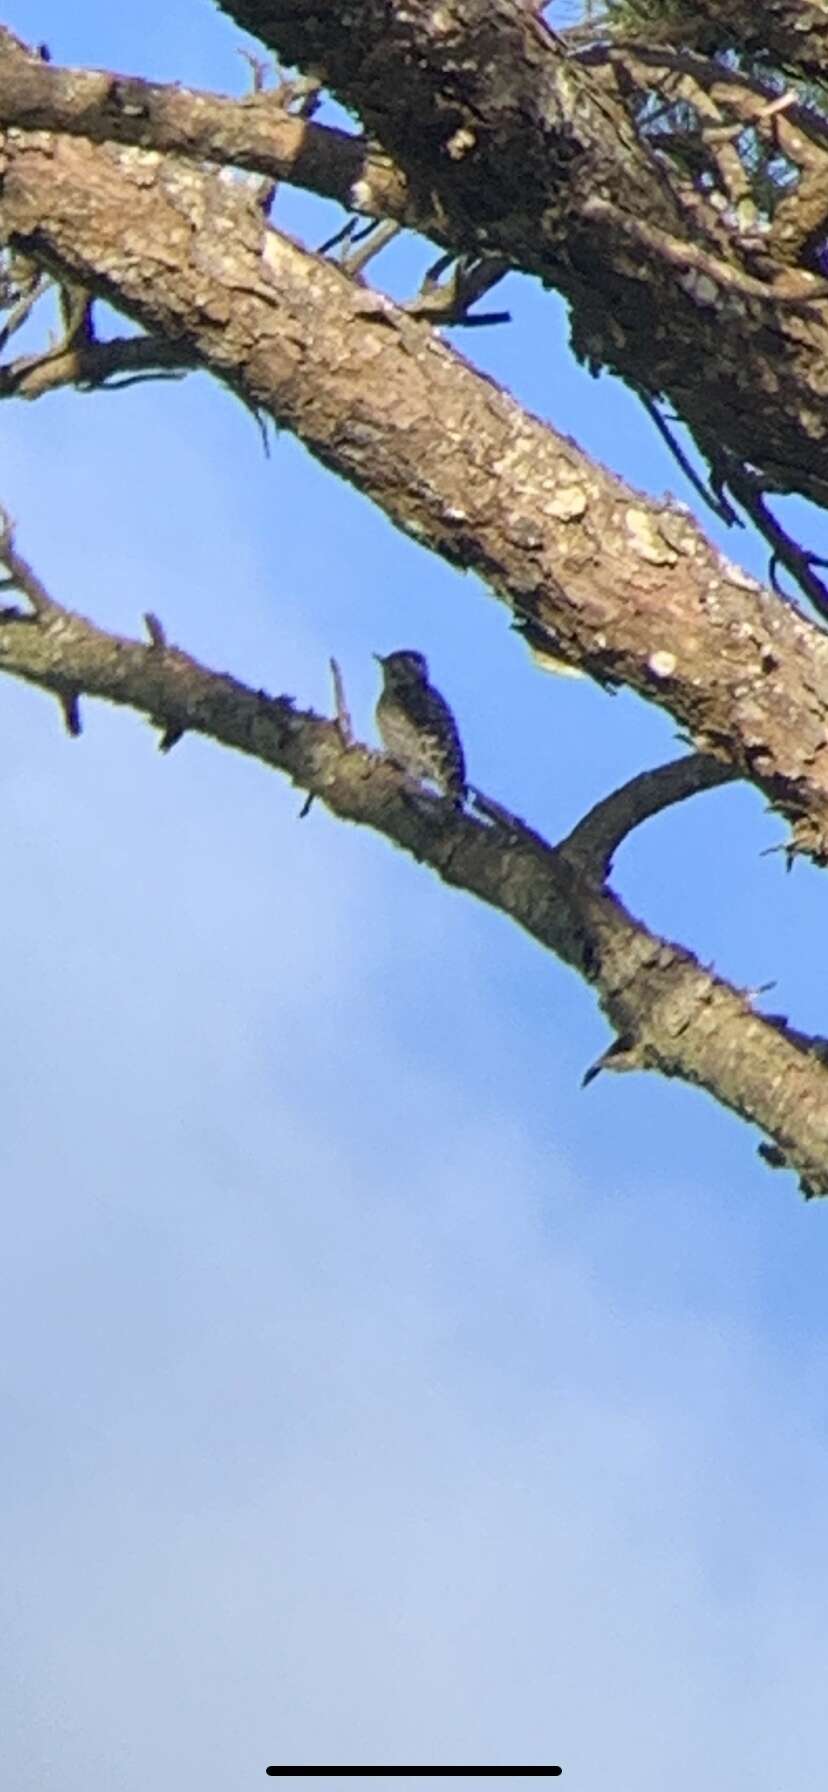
622	585
701	301
595	839
668	1012
93	366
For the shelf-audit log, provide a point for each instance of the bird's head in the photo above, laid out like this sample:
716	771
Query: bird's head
403	668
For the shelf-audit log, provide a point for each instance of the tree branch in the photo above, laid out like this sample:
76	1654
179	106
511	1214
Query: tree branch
593	841
510	159
623	585
258	133
514	143
669	1013
92	365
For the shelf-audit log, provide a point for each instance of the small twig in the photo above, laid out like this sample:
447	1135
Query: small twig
70	705
481	320
22	576
714	501
788	847
306	806
259	69
155	630
265	188
377	237
343	716
171	736
171	732
349	232
625	1053
76	304
752	94
747	488
90	366
132	379
597	836
24	579
449	302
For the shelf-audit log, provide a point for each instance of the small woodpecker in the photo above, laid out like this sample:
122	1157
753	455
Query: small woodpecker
417	727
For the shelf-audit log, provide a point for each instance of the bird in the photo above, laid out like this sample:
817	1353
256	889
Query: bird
416	725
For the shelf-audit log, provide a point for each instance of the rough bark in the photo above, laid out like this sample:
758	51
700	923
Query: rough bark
521	151
624	585
257	133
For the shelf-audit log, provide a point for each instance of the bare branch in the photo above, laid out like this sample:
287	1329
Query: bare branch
450	301
622	585
21	576
92	366
714	501
747	488
667	1011
343	714
593	841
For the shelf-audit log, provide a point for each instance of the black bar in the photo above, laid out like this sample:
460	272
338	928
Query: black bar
398	1772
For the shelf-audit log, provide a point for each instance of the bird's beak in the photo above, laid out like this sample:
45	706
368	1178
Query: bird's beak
378	656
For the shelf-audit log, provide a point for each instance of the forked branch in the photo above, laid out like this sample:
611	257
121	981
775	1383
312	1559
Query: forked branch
667	1011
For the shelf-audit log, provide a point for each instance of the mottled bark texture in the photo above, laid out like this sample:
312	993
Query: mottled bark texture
624	585
520	150
258	133
669	1013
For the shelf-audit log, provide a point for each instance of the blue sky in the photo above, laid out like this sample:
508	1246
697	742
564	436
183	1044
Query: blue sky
370	1391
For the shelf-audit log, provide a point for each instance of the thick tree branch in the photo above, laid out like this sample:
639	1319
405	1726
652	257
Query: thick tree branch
623	585
258	133
524	154
556	183
670	1013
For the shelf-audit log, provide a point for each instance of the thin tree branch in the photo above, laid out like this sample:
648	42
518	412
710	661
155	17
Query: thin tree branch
714	501
21	576
92	366
747	488
343	714
595	839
